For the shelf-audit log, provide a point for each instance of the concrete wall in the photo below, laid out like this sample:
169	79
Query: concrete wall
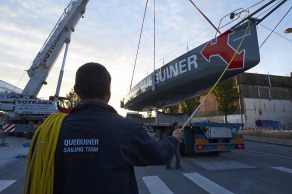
264	97
264	109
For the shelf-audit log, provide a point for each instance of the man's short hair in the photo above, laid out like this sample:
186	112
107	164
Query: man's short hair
174	124
92	81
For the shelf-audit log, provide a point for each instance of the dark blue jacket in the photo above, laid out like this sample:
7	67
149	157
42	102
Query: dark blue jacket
98	149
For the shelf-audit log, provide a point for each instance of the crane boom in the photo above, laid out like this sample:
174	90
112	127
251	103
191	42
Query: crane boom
45	59
25	112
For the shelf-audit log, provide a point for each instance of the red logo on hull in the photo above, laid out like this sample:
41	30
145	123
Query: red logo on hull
224	51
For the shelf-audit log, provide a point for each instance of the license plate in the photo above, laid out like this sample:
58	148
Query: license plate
219	147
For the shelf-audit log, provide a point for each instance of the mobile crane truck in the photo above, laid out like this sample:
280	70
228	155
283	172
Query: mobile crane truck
25	112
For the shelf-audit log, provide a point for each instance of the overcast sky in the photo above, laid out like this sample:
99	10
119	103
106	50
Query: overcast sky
109	34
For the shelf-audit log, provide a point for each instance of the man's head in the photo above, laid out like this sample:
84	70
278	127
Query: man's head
175	125
93	81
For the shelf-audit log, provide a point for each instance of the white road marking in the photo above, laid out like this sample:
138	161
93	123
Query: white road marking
267	154
206	184
283	169
5	183
155	185
219	163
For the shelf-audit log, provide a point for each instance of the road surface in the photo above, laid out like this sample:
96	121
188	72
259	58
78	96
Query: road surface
260	168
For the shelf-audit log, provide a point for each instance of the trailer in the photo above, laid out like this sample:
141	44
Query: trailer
198	137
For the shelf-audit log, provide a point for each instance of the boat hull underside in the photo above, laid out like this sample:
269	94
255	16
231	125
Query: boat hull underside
196	71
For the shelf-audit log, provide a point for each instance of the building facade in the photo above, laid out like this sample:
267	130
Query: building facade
263	97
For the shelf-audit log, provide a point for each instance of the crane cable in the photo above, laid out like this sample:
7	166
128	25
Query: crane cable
154	38
196	110
275	27
276	33
139	43
205	16
39	176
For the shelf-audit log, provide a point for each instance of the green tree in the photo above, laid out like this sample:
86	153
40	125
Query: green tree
190	105
171	109
226	96
74	98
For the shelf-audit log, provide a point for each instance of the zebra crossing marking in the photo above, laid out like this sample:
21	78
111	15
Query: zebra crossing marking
155	185
220	164
5	183
206	184
283	169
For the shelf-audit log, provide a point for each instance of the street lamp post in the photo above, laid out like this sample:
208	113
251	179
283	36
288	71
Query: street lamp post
288	30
